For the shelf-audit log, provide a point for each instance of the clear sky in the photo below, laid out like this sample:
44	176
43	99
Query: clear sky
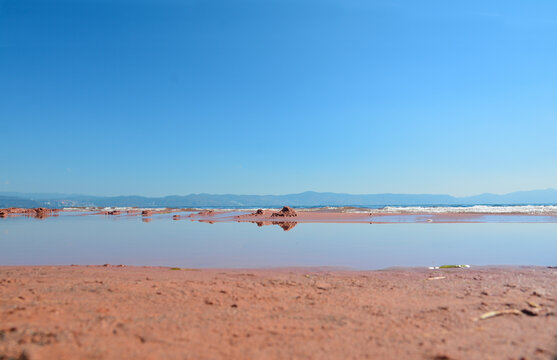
271	97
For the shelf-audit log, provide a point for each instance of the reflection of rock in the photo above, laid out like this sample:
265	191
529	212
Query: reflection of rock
146	220
176	217
285	225
286	211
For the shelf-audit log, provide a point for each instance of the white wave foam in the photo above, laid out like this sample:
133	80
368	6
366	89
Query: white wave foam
478	209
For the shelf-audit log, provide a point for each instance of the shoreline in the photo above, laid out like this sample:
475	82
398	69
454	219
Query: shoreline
156	312
305	215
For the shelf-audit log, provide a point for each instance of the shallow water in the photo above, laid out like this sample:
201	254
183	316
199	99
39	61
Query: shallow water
184	243
475	218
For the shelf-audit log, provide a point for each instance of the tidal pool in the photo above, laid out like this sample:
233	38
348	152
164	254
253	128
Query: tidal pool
70	239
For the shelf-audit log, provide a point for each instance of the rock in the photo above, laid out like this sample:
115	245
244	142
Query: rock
540	292
41	213
322	285
531	312
286	211
147	212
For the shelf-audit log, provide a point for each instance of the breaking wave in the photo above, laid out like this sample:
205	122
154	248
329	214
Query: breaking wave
477	209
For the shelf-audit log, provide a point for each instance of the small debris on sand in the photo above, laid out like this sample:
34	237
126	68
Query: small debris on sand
448	267
533	304
490	314
531	312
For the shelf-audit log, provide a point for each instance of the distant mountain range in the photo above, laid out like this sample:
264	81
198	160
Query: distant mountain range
309	198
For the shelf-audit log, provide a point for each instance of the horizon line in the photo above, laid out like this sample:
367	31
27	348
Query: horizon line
20	193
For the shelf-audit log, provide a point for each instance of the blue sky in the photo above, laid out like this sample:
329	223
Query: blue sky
271	97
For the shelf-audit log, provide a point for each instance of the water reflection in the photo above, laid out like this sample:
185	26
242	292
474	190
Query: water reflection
133	241
285	225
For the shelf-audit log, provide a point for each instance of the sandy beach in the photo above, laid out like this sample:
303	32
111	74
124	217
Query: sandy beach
114	312
253	180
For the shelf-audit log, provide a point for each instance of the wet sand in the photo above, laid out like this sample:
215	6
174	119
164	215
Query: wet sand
110	312
269	216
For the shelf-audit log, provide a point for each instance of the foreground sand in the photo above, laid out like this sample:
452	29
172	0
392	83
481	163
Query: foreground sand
107	312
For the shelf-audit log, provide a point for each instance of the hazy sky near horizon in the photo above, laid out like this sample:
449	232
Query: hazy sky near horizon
272	97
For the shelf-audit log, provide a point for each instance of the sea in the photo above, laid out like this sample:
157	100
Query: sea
522	235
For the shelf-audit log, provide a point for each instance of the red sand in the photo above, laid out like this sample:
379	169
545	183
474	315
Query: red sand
336	216
158	313
288	215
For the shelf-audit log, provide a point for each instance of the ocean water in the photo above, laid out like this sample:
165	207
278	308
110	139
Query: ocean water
547	209
70	239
